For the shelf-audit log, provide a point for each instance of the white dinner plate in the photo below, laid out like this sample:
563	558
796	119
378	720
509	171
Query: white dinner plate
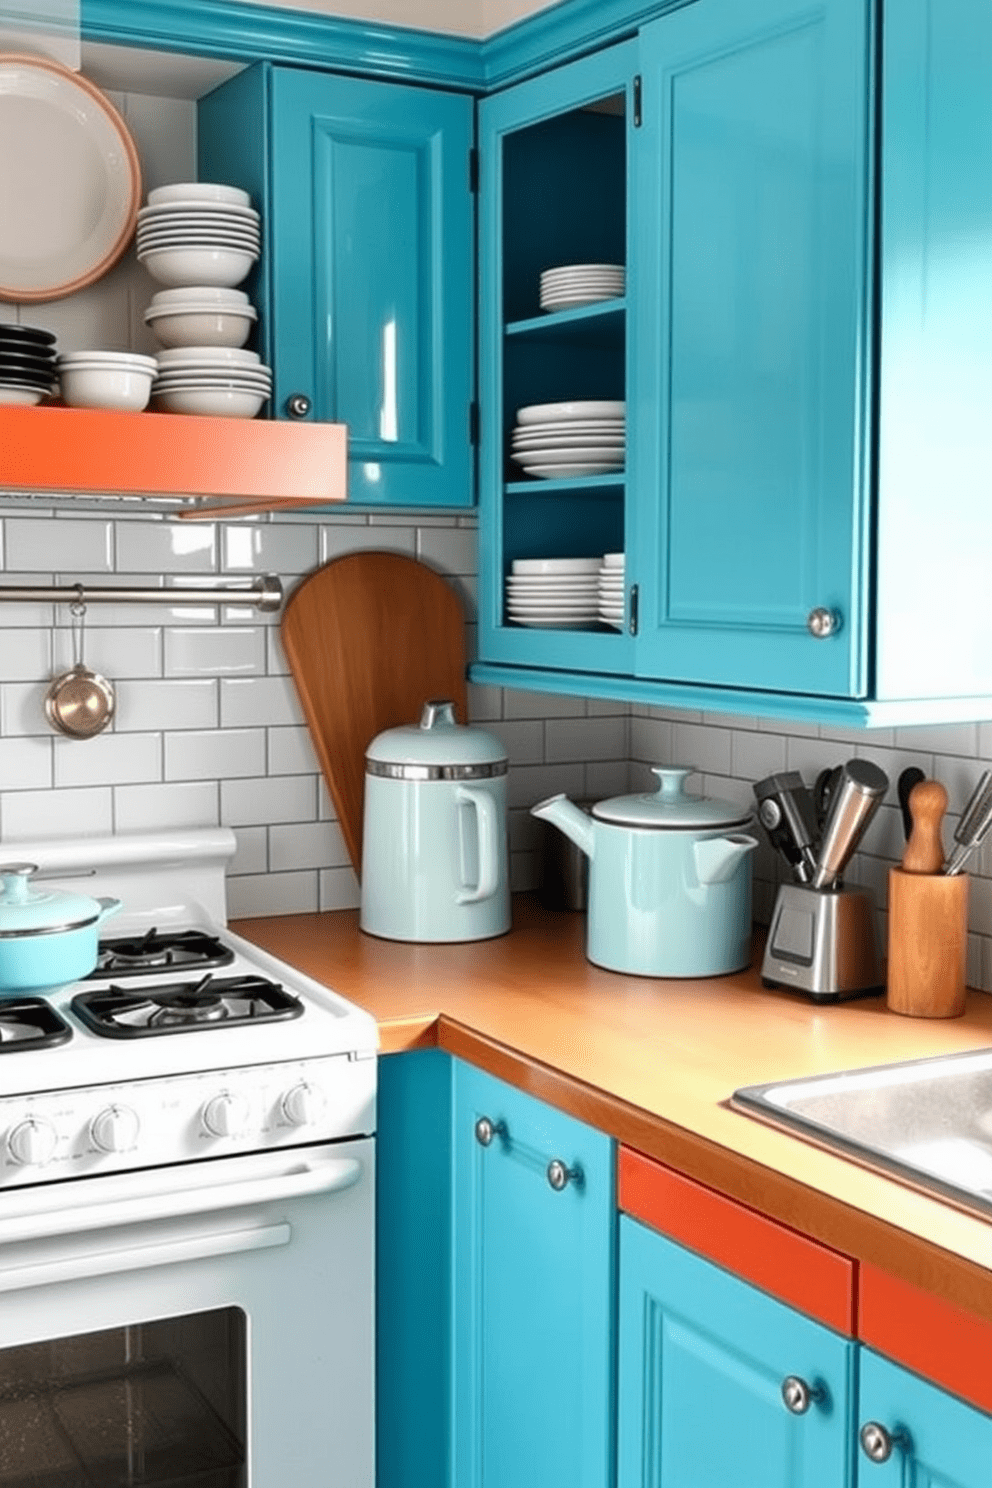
552	583
210	239
199	193
566	270
541	413
538	622
572	472
70	186
554	565
562	610
579	443
204	212
610	428
577	286
595	455
578	301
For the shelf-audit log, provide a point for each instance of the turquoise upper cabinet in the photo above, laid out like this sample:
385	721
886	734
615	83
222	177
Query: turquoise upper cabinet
935	427
533	1226
934	1440
555	160
702	1361
752	339
366	287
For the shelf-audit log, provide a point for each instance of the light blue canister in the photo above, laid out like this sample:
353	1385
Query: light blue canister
435	863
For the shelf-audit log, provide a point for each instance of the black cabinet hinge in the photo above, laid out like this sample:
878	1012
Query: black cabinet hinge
473	423
637	101
473	170
632	622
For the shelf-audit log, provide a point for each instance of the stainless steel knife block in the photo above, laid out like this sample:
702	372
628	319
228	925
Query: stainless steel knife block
823	943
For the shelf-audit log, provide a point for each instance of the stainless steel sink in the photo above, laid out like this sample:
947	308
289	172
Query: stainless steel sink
926	1121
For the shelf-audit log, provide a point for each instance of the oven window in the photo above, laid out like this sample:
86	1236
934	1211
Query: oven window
149	1405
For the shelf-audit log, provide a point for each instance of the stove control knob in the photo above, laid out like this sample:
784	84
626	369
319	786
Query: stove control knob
115	1129
32	1142
226	1115
303	1105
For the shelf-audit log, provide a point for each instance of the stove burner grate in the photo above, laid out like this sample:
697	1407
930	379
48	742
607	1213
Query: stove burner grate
30	1023
143	955
185	1007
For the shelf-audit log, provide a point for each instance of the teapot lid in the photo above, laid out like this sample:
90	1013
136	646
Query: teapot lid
438	743
27	911
671	805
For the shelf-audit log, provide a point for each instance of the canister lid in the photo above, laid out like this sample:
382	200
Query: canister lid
671	805
26	911
439	745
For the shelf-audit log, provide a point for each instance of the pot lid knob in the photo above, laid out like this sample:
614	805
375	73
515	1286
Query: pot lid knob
671	780
438	713
14	877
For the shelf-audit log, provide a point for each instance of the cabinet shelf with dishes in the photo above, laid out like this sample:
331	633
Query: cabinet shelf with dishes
554	376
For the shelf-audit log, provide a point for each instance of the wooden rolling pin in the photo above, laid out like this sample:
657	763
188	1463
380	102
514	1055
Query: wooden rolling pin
928	918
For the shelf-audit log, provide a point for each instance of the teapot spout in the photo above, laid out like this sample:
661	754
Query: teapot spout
568	818
717	857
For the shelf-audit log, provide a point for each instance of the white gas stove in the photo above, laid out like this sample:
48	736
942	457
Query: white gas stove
187	1178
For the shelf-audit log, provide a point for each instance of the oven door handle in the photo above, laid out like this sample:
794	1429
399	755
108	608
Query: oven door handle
328	1176
78	1267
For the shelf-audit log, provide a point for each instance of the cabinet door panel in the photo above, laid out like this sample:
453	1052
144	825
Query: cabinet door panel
372	276
533	1376
753	194
702	1357
947	1444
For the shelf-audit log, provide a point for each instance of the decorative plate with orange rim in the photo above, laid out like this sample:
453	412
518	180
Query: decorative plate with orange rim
70	181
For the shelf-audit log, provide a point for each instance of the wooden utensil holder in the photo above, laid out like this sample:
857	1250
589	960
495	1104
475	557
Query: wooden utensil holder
928	943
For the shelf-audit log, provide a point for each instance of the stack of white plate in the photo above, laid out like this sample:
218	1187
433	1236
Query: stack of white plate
611	591
197	233
558	441
581	284
553	593
213	380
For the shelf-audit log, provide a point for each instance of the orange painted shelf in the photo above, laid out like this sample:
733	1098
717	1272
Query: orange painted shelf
240	464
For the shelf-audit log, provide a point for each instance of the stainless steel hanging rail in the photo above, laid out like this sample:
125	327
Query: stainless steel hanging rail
265	593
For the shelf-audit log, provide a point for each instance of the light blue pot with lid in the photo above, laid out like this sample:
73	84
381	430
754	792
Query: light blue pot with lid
48	937
669	878
435	860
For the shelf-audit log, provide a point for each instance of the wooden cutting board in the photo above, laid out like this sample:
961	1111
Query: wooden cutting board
370	637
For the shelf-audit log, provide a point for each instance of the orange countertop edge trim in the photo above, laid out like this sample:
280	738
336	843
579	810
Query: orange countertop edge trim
938	1340
101	450
806	1275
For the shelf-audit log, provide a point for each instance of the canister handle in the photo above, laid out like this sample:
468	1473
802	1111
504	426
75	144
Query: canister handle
487	819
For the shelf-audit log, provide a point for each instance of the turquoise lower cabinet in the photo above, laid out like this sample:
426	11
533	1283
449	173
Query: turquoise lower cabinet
924	1437
703	1358
496	1285
366	288
533	1293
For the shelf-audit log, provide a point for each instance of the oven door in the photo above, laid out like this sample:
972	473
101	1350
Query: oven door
209	1324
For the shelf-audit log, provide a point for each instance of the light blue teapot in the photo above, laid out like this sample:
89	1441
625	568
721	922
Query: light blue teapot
669	879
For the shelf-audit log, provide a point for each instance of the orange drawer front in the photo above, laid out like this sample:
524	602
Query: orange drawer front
798	1271
935	1338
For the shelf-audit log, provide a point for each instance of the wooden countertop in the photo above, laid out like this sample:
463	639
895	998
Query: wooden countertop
653	1062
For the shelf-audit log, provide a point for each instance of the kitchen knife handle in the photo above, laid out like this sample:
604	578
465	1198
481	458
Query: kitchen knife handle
909	778
924	850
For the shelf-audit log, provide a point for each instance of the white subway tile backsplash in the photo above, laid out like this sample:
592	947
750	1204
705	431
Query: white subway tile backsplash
337	540
161	704
22	708
339	889
277	798
167	547
306	845
528	784
25	764
59	544
252	852
108	759
216	651
257	895
453	550
216	754
755	755
948	738
249	701
706	749
116	651
291	751
651	740
27	655
48	813
569	739
275	657
520	704
523	741
149	808
268	548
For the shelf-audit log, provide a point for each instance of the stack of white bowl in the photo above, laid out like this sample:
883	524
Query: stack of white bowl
201	316
560	441
572	285
553	593
611	590
106	379
220	380
198	233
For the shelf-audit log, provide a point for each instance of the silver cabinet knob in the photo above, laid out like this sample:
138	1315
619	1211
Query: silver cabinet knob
798	1396
298	405
485	1130
877	1443
560	1174
822	622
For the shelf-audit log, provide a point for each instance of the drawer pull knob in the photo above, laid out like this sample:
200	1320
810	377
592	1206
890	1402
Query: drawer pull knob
560	1175
485	1130
822	622
877	1443
798	1396
298	405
